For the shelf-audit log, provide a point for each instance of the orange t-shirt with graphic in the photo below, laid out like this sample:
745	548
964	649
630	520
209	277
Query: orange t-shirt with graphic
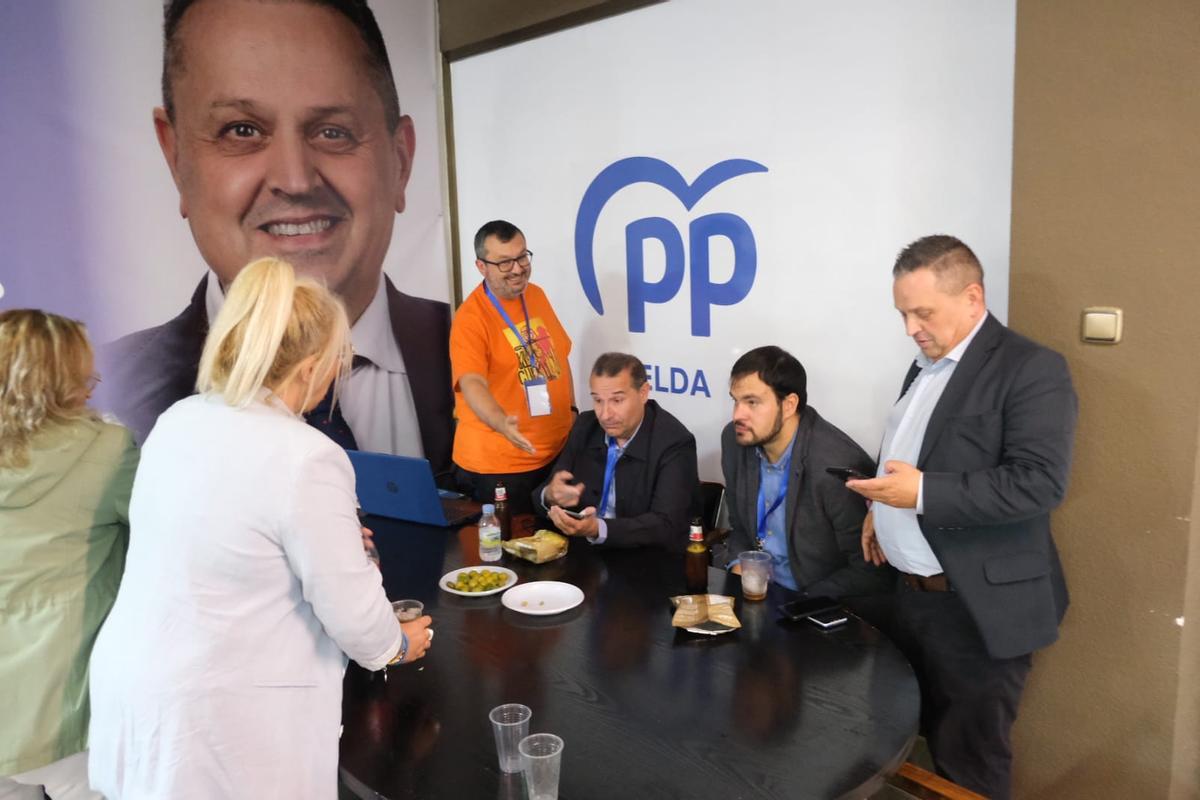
483	343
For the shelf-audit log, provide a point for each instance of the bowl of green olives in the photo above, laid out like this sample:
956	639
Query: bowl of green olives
477	581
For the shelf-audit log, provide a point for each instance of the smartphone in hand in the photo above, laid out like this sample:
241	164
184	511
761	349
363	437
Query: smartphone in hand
848	473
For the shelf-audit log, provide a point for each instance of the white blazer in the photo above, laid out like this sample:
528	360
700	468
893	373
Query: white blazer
219	671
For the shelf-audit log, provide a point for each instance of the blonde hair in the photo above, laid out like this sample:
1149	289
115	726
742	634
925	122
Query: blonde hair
45	364
270	322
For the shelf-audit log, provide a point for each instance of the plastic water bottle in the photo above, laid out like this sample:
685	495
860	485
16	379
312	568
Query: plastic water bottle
489	534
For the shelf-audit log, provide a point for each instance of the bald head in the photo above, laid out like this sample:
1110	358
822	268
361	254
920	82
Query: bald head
358	13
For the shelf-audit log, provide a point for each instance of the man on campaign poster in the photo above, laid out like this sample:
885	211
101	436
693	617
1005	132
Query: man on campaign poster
282	130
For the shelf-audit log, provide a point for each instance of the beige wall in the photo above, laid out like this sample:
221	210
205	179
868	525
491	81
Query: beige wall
468	26
1106	211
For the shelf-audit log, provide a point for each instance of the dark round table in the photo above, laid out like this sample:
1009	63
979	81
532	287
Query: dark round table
774	710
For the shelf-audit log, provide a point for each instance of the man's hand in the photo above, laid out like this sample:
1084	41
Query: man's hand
872	552
589	526
479	398
514	435
561	493
419	636
898	488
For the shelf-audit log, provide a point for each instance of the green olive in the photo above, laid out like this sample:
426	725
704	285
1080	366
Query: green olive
478	580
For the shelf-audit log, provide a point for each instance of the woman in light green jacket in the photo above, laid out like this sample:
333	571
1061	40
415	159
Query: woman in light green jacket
65	479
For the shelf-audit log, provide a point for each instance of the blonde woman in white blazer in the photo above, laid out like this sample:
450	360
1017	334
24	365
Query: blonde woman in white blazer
219	671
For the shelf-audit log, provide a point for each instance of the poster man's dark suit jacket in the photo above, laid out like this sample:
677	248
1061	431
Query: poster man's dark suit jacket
149	370
996	456
657	479
823	517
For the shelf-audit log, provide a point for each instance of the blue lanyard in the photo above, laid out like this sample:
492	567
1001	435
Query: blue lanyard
610	467
763	511
516	331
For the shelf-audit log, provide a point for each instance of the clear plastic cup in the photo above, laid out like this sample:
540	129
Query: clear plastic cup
408	610
541	757
756	573
510	724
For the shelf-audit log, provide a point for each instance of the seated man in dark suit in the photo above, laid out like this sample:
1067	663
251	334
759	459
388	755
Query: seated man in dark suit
268	161
774	454
629	465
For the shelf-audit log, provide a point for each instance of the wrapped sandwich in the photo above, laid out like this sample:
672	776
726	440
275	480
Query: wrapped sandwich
543	546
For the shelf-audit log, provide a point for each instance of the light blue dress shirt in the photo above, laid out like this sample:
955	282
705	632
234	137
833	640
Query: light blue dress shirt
771	477
610	508
897	529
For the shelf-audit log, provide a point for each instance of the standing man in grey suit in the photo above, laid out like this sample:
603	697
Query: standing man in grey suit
282	130
774	454
975	455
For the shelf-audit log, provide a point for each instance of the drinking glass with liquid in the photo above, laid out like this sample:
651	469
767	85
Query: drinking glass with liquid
756	573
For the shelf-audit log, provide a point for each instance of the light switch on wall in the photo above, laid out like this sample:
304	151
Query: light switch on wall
1101	325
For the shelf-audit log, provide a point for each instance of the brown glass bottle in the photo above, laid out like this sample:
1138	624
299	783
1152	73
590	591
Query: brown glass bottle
503	513
695	561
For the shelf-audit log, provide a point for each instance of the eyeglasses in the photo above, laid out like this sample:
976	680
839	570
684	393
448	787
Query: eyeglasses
525	259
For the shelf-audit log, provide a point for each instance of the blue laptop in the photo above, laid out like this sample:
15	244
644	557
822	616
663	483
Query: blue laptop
401	487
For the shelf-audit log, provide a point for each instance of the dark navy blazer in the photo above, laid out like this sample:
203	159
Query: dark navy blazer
149	370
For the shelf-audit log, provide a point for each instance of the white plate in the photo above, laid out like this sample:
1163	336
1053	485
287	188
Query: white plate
452	576
541	598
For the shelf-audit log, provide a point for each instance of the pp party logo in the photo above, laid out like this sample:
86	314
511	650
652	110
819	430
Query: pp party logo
704	293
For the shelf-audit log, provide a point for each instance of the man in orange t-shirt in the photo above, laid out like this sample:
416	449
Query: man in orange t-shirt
513	393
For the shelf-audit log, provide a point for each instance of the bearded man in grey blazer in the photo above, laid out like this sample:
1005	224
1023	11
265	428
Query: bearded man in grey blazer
774	454
975	455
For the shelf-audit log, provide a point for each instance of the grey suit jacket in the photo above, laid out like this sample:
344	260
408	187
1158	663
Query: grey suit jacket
824	518
995	457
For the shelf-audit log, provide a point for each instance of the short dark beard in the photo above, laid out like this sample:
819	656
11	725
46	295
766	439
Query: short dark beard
774	430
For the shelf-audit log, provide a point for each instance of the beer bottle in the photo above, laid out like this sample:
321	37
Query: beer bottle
503	513
695	564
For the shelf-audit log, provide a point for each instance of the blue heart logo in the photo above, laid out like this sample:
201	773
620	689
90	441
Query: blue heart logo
643	169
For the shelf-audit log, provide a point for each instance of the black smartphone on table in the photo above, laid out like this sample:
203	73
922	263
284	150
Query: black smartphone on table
824	612
848	473
807	606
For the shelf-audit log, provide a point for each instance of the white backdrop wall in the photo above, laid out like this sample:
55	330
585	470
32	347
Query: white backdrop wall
863	126
90	186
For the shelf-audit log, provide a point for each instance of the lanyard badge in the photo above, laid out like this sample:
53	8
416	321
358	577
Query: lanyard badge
763	511
537	397
537	391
